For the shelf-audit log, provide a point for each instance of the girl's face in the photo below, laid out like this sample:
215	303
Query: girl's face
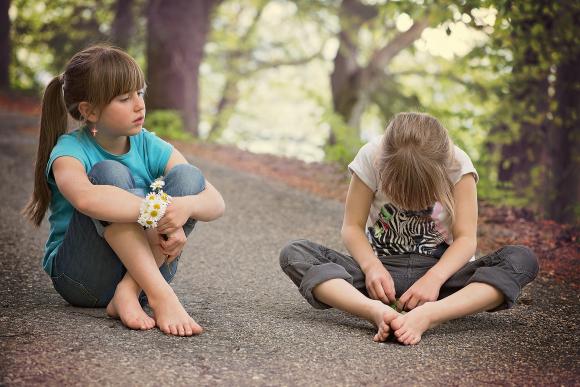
124	115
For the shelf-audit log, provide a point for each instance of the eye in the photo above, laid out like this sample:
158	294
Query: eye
124	98
141	93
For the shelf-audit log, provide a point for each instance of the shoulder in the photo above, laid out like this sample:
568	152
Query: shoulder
364	164
369	151
68	139
462	165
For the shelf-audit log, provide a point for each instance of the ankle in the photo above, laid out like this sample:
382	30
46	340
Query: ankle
128	286
372	309
432	313
160	295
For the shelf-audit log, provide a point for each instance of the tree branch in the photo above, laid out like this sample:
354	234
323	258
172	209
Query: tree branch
403	40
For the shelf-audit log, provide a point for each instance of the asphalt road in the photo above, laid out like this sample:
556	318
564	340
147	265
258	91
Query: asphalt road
258	330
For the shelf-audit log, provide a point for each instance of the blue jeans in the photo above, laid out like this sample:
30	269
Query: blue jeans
86	270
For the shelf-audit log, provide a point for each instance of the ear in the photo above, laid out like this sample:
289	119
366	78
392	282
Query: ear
88	112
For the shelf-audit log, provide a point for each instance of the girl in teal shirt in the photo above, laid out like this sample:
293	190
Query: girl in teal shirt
95	181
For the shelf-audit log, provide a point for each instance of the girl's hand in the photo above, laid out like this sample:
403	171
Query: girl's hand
379	283
176	214
173	246
426	289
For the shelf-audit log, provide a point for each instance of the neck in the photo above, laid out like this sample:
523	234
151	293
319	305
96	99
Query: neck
116	145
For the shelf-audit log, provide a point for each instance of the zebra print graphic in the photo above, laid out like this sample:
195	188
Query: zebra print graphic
403	232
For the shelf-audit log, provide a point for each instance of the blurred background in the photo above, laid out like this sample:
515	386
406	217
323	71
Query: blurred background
315	79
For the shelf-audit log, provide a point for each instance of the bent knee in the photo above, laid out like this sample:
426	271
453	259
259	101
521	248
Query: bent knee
111	172
292	252
522	259
184	179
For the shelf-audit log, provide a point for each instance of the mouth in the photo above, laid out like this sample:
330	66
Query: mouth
139	120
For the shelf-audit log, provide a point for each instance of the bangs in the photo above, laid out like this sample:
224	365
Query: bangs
115	73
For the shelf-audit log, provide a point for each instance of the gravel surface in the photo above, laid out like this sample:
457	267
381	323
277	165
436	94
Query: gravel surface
258	330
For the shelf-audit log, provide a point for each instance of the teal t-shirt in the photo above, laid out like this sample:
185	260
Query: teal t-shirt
146	159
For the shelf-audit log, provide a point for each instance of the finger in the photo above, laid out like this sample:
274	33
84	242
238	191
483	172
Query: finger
162	222
380	292
389	290
412	303
403	300
371	292
170	229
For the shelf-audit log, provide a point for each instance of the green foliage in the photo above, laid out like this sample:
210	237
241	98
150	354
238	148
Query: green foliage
348	141
46	34
534	41
167	124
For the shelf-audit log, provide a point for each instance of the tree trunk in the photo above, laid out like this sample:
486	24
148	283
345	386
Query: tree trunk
564	140
353	84
5	51
225	108
124	24
176	37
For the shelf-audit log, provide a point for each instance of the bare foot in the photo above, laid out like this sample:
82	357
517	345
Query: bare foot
382	317
409	327
172	318
125	306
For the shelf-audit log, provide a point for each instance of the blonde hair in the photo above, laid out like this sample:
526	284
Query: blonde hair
416	154
95	75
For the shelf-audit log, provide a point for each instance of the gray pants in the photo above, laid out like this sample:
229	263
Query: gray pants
309	264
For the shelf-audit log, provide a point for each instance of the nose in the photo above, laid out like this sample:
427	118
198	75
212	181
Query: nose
139	103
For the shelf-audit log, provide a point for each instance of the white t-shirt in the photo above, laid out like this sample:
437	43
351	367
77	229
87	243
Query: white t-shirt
393	231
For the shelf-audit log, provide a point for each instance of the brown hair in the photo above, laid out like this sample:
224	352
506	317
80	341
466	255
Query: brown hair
416	155
95	75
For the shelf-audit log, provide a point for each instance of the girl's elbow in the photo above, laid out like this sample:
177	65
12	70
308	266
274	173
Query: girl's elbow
218	208
469	243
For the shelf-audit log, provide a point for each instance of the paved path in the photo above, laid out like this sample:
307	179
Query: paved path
258	330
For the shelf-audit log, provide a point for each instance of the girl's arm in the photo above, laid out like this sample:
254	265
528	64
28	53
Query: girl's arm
114	204
104	202
457	255
358	202
464	231
206	206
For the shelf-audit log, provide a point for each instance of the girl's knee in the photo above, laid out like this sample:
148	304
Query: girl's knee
183	180
292	252
522	259
110	172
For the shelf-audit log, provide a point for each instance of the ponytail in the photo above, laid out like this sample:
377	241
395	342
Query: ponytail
53	124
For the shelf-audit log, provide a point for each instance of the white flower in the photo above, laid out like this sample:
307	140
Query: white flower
153	208
164	197
157	184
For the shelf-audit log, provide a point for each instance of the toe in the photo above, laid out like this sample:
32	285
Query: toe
404	337
173	330
397	323
181	330
400	332
188	330
197	329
